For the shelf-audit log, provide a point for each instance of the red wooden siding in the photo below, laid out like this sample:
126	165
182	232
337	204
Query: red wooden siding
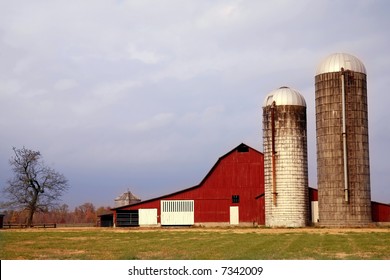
313	194
380	212
239	172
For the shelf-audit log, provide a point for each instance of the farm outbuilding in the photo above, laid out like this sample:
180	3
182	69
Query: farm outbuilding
232	193
105	220
126	198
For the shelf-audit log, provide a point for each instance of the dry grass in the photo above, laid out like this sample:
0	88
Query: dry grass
195	243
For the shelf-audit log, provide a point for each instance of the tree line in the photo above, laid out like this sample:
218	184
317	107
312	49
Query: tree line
86	214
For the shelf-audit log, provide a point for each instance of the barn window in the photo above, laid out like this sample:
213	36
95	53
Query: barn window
235	199
242	149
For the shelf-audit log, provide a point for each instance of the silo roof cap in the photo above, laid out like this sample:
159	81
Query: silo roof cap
284	96
336	61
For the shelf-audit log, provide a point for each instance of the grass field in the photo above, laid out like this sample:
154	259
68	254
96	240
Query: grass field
195	244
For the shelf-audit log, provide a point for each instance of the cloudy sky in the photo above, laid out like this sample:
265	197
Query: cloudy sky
147	95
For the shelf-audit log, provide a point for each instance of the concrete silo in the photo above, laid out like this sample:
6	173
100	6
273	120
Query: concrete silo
344	197
285	159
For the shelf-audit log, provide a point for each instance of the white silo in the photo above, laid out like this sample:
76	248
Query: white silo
285	159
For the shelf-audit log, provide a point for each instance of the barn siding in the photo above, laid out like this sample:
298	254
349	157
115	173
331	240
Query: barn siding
380	212
313	194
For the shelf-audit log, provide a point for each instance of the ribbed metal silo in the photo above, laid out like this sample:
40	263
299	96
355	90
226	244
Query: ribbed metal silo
285	159
344	197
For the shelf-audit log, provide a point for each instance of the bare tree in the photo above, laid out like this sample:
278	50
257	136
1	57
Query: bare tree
35	187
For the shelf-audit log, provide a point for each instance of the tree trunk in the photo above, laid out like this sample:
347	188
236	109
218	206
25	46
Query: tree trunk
30	217
32	208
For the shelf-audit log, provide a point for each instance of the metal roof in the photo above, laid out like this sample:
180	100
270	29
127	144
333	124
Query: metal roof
127	196
334	62
284	96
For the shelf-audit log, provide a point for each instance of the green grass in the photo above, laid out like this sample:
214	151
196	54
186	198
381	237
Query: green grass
193	244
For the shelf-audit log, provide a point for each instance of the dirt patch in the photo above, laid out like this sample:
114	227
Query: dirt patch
259	230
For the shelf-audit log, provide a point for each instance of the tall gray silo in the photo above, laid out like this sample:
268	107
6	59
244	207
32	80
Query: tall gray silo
344	197
285	159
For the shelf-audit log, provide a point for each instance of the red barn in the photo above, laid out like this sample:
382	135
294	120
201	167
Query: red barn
231	193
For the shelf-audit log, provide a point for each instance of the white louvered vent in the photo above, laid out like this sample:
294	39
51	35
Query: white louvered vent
177	212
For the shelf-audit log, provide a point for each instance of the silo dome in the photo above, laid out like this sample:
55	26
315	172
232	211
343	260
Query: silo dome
334	63
284	96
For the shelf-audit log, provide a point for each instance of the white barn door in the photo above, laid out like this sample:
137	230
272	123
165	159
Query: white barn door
234	215
148	217
314	212
177	212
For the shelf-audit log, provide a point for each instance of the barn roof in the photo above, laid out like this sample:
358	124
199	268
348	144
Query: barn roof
106	215
242	147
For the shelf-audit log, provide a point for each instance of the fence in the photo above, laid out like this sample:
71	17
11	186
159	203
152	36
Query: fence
49	225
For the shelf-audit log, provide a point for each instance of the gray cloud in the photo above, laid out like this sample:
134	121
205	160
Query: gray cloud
148	94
